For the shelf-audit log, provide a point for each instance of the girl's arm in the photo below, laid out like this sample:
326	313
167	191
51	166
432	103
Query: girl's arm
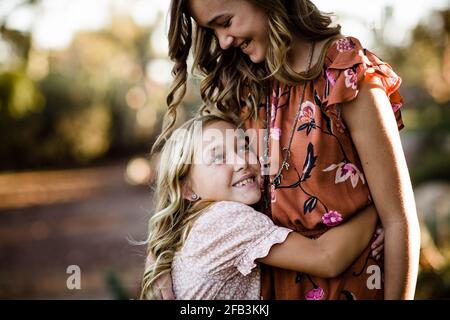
329	255
374	132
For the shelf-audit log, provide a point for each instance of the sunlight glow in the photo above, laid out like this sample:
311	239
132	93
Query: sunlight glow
54	22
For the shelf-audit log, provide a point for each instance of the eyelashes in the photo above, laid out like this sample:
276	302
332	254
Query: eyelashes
227	23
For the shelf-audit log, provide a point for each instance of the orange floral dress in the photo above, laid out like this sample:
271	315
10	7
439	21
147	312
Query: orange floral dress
324	185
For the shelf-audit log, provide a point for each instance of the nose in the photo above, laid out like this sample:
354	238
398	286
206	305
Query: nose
241	161
225	40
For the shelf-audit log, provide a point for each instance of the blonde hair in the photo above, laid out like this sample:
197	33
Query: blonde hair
231	80
174	216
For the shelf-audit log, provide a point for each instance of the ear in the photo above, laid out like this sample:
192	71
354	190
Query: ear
186	191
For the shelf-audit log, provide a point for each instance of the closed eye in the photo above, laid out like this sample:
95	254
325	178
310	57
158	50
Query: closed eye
227	24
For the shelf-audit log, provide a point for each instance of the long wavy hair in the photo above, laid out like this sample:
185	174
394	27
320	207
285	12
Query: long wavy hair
231	79
174	216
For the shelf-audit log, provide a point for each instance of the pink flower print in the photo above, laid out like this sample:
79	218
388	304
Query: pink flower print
350	79
274	100
314	294
275	133
332	218
273	109
345	45
307	112
396	106
393	80
346	170
330	77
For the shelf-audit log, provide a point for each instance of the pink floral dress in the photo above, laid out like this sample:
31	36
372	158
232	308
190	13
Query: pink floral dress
324	184
217	260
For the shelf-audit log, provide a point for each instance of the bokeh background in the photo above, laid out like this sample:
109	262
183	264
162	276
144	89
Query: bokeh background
82	94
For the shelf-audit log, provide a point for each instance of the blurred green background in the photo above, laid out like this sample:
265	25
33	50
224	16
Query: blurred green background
82	94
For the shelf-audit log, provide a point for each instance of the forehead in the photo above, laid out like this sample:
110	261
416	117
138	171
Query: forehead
213	135
218	132
204	10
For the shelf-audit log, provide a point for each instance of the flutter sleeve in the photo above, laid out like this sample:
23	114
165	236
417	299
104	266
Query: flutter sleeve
348	65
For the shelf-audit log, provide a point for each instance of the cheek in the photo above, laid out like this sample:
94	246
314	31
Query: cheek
264	41
218	177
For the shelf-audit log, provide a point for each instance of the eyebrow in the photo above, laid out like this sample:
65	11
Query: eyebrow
212	146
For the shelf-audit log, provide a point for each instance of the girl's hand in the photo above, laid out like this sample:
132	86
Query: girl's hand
164	283
378	245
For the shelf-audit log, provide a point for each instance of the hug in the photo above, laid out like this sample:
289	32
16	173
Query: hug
295	217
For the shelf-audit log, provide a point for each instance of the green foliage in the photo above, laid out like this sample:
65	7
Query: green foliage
424	66
433	284
19	95
115	286
76	114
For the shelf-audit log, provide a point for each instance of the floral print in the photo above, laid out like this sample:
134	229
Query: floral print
345	44
314	294
324	184
307	112
275	133
218	260
330	77
332	218
345	171
350	79
396	106
306	117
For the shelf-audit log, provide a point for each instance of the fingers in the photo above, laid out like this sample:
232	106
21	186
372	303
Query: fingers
379	240
378	245
378	251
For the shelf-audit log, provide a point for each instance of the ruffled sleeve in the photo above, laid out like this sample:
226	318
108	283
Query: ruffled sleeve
347	66
230	237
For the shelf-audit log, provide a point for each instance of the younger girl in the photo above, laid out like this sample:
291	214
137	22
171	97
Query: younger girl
206	234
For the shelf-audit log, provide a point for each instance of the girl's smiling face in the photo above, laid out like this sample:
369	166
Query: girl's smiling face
225	167
236	23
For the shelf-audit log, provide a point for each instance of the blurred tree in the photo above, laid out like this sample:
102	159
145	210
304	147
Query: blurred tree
115	286
74	106
19	96
424	65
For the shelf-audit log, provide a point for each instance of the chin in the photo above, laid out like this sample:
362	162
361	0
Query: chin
251	200
256	58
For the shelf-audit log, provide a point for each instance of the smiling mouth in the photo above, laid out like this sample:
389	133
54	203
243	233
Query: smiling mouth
244	182
244	45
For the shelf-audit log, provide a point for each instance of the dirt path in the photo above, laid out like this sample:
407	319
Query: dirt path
50	220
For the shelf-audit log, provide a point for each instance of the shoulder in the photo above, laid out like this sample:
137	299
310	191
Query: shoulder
350	68
343	51
228	208
229	214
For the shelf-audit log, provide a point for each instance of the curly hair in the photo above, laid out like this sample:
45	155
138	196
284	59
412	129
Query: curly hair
230	79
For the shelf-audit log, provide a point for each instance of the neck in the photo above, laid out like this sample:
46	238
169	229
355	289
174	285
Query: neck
299	55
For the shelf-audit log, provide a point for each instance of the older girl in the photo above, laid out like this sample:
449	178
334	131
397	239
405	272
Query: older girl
332	112
206	234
